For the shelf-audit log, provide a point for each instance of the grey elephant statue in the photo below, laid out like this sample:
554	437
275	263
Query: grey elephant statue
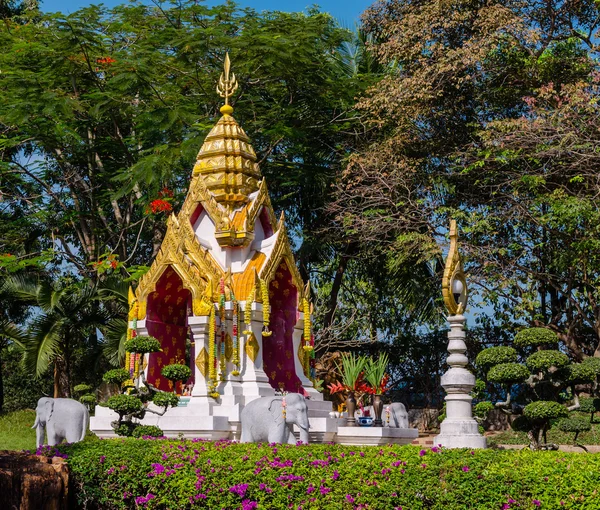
61	418
263	419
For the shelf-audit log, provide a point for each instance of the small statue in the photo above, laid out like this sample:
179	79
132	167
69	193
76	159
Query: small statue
271	419
62	418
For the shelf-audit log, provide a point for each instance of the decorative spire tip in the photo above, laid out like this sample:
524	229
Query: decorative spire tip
227	86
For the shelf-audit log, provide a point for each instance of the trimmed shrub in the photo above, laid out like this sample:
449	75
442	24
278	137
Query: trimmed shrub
176	372
589	405
163	399
142	344
116	376
482	409
88	400
544	360
574	424
488	358
125	404
578	373
544	410
82	388
508	373
172	474
535	336
594	363
147	431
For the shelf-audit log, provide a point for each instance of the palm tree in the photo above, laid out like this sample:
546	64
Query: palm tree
114	294
65	317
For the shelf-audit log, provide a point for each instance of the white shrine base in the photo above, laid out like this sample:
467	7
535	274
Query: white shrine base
201	417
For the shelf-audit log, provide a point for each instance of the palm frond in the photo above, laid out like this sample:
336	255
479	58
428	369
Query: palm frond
43	343
115	335
13	332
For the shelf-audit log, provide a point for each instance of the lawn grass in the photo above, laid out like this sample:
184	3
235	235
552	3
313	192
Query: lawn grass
16	432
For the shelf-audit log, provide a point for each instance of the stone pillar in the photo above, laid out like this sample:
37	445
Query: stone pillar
199	326
459	429
306	382
255	382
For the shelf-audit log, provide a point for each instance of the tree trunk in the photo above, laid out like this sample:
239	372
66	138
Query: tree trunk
335	290
61	383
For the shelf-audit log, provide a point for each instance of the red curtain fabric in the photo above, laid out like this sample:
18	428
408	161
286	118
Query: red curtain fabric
278	349
167	321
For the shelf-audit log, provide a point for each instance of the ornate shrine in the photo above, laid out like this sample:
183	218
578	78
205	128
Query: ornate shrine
224	293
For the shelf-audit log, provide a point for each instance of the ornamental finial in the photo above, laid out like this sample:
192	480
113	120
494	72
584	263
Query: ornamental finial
454	283
227	86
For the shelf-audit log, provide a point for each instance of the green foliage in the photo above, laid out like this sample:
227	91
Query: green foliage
125	428
375	371
176	372
352	366
414	477
535	337
82	388
148	431
88	400
125	404
164	399
520	424
142	344
544	360
481	409
555	435
15	430
574	424
578	373
487	358
589	405
594	363
543	410
116	376
508	373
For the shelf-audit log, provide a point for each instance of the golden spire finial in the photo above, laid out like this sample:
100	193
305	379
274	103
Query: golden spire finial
227	86
454	283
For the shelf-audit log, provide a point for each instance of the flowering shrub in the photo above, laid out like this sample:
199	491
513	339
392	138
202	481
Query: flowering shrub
181	474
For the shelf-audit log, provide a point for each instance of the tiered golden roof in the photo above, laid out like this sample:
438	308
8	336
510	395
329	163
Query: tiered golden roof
227	185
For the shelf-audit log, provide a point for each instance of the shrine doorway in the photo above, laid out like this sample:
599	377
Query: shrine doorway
278	357
166	320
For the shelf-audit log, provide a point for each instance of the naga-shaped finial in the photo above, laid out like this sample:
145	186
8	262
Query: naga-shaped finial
227	86
454	283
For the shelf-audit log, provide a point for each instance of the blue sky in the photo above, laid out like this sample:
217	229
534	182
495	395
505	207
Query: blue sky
345	11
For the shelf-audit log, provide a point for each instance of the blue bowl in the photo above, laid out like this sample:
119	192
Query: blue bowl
365	421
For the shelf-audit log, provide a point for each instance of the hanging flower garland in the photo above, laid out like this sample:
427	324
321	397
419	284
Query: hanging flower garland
248	312
222	365
266	308
284	406
132	358
212	368
236	343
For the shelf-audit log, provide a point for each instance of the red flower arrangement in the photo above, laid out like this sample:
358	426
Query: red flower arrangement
160	205
105	60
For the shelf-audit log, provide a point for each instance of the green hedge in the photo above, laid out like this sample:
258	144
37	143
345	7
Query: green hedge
174	474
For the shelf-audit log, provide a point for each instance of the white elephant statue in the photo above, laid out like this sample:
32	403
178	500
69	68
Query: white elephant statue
263	420
61	418
398	415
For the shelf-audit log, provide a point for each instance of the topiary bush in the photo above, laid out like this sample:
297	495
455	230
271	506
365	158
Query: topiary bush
578	373
125	404
176	372
163	399
492	356
89	401
535	337
82	388
508	373
594	363
147	431
544	360
575	424
482	409
142	344
590	406
116	376
173	474
544	410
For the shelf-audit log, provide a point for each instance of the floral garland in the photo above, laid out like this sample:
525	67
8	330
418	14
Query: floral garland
266	308
284	407
212	368
236	343
222	365
132	358
248	312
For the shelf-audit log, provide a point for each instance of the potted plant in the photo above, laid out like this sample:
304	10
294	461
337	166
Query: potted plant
351	370
376	378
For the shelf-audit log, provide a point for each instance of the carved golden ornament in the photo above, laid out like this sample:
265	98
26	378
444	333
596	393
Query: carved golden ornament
251	347
202	362
302	355
228	347
282	252
227	84
454	283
